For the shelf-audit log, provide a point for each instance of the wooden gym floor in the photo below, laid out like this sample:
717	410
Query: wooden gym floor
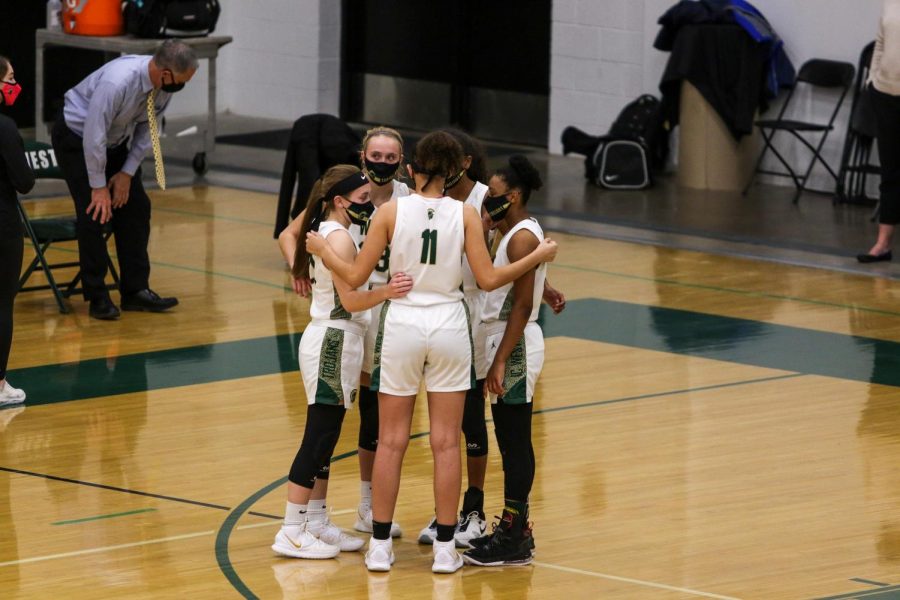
706	427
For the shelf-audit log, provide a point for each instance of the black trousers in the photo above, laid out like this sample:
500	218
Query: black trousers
10	268
887	117
130	223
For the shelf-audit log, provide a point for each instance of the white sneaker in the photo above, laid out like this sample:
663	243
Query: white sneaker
380	556
429	533
446	558
10	395
305	546
469	528
364	522
330	533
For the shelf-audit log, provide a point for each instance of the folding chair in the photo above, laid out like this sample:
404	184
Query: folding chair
817	73
856	161
44	232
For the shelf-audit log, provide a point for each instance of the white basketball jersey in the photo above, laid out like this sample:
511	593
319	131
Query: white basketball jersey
428	245
381	273
476	198
499	302
326	304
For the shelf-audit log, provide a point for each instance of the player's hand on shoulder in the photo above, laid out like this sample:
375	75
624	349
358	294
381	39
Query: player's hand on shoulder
547	250
315	243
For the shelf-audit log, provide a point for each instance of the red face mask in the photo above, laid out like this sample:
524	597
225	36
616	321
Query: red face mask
10	92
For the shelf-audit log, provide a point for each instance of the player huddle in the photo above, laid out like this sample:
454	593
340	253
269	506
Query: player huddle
404	291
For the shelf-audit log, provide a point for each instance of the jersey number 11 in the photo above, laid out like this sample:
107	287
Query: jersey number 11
429	247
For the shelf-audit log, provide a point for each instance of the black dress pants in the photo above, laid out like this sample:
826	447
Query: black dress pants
887	117
130	223
10	268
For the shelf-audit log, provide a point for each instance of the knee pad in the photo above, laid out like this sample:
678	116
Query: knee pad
473	424
368	419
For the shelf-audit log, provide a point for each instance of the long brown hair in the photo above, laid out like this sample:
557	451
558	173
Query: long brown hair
317	208
4	66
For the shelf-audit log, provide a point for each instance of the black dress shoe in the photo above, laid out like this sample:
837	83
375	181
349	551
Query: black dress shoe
147	300
103	309
870	258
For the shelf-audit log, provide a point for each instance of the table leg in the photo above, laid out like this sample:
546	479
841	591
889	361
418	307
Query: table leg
40	131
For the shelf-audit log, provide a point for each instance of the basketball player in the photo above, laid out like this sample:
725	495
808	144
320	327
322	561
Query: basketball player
331	354
515	349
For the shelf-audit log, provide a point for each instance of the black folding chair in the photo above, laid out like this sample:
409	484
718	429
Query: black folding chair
817	73
856	160
43	232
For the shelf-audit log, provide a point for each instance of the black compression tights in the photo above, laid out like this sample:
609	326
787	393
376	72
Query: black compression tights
323	428
10	267
512	424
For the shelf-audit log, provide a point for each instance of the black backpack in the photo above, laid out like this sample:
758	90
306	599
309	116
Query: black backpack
171	18
637	144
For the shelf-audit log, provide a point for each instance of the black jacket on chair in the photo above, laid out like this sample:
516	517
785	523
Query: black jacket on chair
318	142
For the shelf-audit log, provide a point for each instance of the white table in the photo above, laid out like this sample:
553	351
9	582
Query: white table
206	47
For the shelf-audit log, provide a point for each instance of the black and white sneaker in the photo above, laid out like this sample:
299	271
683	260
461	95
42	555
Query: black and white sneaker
504	548
470	527
429	533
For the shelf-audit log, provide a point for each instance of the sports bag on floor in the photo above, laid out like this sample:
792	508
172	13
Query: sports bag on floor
621	165
171	18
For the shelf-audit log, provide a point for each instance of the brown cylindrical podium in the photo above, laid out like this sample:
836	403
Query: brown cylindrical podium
709	157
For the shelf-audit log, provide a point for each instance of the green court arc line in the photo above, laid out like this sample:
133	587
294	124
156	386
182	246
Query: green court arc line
724	290
224	533
223	558
109	516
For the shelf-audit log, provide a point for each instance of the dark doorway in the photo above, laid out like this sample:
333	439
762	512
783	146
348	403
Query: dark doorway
482	66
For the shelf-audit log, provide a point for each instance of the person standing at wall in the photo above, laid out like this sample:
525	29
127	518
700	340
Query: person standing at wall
119	103
884	79
15	176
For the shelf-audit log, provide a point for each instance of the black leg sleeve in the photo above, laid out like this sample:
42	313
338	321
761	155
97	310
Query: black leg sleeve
323	428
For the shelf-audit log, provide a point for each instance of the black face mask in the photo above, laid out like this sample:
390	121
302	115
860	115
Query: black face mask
171	88
497	207
360	213
453	180
380	172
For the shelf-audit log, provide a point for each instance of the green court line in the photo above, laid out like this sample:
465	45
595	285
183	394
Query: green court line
195	270
672	282
885	593
741	341
725	290
110	516
178	211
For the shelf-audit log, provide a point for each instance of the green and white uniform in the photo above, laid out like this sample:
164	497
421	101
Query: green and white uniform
426	334
331	349
523	367
378	278
475	296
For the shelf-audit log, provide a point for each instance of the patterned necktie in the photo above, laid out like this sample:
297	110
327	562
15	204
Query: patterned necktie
154	141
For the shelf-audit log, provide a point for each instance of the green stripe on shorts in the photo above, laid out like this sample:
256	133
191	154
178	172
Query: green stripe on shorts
515	378
329	389
379	339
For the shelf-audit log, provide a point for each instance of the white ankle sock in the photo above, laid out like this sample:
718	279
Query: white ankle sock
365	494
294	515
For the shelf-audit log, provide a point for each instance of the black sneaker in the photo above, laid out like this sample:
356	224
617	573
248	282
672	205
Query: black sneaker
504	548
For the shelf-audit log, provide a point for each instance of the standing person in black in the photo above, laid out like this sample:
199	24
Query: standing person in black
107	127
15	176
